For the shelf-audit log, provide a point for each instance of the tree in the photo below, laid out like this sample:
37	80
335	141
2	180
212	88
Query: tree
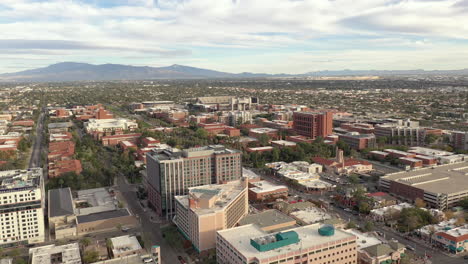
369	226
464	203
201	133
90	256
85	242
351	225
364	207
353	179
275	155
460	221
449	214
431	138
264	139
382	141
419	203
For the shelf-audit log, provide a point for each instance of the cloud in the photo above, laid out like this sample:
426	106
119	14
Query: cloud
213	31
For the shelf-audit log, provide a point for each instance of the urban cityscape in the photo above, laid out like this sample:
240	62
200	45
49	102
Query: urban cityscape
303	132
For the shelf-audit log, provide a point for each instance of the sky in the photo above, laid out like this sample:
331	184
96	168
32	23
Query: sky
268	36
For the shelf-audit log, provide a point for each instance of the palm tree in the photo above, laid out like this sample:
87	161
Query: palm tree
85	242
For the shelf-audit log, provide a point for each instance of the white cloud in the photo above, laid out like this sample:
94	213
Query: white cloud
274	29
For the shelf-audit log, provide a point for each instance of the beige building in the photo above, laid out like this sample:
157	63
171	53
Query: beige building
61	213
21	207
125	246
65	254
92	210
210	208
170	172
307	244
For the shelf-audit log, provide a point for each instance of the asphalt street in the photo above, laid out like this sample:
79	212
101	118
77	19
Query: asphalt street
36	157
149	229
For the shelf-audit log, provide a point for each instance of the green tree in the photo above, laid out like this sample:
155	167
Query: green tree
264	140
382	141
368	226
85	242
201	133
90	256
353	179
351	225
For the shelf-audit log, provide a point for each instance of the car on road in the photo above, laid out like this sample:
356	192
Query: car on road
348	210
147	260
181	259
125	229
410	248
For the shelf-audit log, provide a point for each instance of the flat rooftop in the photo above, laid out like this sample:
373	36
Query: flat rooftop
265	186
364	240
70	254
102	216
124	244
240	237
174	153
13	180
219	195
266	218
98	199
311	215
60	202
444	179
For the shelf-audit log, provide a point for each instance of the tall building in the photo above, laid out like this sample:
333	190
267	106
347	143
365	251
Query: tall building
21	207
210	208
313	124
170	172
460	140
305	244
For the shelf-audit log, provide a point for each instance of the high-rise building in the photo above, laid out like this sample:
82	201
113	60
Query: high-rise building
21	207
210	208
460	140
313	124
170	172
306	244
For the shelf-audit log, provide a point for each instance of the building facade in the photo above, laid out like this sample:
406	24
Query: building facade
313	124
440	187
171	172
359	141
306	244
22	207
210	208
460	140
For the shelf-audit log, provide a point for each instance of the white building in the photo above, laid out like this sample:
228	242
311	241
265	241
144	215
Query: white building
65	254
108	125
239	117
21	206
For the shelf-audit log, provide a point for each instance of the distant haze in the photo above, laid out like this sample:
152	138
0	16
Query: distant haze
73	71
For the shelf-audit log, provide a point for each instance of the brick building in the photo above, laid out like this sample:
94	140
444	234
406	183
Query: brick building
313	124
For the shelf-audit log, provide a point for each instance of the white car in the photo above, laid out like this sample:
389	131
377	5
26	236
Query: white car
147	260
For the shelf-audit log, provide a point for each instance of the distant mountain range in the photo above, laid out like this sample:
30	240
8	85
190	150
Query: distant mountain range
73	71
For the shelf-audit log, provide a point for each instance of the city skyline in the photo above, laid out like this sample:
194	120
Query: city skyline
236	36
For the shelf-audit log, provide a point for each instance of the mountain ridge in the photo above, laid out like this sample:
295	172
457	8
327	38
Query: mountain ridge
79	71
